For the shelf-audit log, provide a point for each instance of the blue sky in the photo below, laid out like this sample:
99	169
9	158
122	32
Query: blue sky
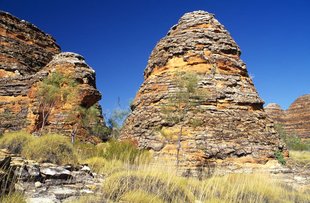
117	37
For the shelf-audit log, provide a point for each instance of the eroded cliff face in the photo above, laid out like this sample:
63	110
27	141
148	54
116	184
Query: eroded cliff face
296	119
233	125
28	55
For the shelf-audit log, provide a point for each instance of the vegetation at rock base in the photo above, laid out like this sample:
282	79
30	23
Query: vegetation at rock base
88	119
301	157
140	196
15	141
51	148
125	151
147	183
279	156
101	165
116	120
131	177
293	142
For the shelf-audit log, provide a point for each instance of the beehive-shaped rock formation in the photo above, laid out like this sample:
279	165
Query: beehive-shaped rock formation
233	125
27	56
297	117
275	112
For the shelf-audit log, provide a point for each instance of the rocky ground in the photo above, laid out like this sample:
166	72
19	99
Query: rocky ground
47	182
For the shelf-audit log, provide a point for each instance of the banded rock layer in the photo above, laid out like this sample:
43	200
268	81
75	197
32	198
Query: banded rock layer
234	126
275	112
296	119
28	55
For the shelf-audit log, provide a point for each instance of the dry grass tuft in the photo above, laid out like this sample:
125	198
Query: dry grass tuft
15	141
51	148
13	198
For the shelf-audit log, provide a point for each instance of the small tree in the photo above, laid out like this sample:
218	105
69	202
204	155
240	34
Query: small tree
89	119
55	88
116	121
185	98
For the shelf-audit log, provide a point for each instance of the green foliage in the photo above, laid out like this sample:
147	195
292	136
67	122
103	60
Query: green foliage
89	119
51	148
186	98
116	120
293	142
13	198
125	151
55	88
15	141
279	156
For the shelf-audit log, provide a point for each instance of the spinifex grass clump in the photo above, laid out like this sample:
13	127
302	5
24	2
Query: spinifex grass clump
13	198
124	151
15	141
301	157
104	166
167	188
149	183
51	148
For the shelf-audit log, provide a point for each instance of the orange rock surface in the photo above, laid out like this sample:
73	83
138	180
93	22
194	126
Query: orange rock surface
233	124
27	56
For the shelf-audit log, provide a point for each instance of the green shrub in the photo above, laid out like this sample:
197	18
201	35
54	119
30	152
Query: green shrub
293	142
125	151
12	198
279	156
15	141
51	148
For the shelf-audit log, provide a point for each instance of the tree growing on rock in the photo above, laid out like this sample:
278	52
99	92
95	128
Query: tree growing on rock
54	89
116	121
89	119
186	97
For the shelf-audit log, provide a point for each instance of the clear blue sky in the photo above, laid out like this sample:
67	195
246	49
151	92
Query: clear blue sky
117	37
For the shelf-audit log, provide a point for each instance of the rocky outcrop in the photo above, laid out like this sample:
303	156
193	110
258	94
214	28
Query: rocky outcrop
275	112
46	182
296	119
233	125
24	48
28	55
